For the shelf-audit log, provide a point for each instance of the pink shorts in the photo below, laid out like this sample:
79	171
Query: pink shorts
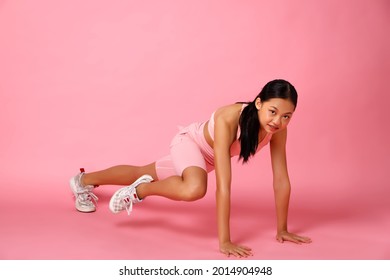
188	148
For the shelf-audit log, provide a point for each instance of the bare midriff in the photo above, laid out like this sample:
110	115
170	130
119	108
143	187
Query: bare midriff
207	135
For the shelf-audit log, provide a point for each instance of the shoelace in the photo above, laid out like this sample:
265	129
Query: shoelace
127	201
86	198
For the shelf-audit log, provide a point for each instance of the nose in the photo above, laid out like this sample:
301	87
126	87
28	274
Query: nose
277	121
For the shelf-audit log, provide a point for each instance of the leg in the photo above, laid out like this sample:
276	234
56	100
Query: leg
192	185
118	175
187	163
182	175
82	184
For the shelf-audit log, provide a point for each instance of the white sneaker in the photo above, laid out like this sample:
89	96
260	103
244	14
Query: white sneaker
85	198
124	198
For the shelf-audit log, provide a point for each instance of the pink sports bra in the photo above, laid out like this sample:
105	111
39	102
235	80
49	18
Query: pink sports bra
236	147
212	124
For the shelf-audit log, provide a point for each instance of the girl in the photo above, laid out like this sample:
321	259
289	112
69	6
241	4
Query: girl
240	129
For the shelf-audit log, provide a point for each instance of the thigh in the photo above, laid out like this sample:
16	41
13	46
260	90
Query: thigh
165	168
186	153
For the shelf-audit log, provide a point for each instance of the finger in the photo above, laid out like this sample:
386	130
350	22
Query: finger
230	252
296	241
225	252
245	248
236	254
241	252
306	239
292	239
302	239
279	239
249	252
245	253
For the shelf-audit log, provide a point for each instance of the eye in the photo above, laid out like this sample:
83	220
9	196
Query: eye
286	117
272	112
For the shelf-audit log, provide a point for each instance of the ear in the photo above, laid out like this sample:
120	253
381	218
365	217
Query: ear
258	103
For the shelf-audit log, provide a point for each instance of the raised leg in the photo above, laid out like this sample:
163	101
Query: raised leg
192	185
118	175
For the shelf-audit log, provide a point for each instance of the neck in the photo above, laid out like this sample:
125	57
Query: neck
262	134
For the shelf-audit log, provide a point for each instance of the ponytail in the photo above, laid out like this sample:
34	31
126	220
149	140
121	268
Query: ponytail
250	127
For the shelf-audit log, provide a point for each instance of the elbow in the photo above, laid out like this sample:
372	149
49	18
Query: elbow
282	186
222	193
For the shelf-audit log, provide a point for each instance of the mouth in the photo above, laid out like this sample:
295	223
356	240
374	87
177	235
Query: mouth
272	127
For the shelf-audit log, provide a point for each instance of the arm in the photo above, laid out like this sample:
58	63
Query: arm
282	188
225	134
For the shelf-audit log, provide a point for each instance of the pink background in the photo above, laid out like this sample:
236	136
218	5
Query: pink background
97	83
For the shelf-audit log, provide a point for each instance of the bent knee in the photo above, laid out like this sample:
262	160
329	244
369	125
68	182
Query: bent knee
194	192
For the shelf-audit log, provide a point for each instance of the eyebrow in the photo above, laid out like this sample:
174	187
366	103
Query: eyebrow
288	113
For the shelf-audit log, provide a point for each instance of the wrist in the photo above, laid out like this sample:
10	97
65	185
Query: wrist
223	242
282	230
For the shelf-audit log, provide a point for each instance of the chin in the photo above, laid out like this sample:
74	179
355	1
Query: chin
271	130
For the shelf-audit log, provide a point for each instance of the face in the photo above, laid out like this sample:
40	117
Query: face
274	114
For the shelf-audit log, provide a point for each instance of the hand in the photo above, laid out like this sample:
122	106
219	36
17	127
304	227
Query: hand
287	236
239	251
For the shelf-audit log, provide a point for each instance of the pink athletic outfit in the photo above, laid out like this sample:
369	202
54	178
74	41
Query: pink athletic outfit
190	148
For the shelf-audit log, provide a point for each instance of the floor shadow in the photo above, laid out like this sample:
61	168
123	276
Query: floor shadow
253	217
248	221
177	217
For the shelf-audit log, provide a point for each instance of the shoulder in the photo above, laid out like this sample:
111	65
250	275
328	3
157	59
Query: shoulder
226	124
230	113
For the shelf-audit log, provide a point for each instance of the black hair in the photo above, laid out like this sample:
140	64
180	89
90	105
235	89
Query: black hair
249	120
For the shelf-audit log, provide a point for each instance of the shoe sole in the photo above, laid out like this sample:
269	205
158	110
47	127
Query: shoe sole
83	211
